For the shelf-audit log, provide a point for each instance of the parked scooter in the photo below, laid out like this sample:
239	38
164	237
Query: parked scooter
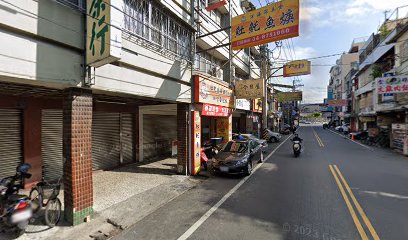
15	209
297	146
203	159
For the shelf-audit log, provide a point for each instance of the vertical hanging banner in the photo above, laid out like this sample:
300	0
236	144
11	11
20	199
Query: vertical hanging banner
271	23
104	31
224	128
196	142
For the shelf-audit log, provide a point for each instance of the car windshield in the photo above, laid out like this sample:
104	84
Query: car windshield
239	147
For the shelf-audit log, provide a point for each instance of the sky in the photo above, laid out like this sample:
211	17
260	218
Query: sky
329	27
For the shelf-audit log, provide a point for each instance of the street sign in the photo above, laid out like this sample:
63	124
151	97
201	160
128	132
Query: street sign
296	68
249	88
338	103
274	22
289	96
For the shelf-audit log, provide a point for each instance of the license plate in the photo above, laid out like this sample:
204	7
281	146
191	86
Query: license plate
21	216
224	169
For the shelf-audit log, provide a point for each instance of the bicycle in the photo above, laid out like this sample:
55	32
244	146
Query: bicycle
45	194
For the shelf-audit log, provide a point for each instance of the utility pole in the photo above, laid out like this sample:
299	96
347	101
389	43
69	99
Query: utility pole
264	63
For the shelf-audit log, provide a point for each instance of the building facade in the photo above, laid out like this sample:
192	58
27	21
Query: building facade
67	119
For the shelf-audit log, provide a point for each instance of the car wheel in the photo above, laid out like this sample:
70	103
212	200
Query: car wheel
249	168
273	139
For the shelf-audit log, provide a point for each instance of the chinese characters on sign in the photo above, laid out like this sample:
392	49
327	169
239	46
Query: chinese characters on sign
98	19
104	36
224	128
249	88
276	21
289	96
393	84
243	104
207	91
296	68
196	141
212	110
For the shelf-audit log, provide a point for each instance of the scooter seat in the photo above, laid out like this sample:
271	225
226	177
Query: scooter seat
17	197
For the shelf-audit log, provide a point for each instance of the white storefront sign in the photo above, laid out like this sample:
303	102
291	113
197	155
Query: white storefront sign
243	104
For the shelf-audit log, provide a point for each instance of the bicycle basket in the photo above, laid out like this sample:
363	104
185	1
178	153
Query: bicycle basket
51	191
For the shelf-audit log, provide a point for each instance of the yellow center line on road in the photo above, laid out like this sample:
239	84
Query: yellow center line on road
358	206
349	206
318	139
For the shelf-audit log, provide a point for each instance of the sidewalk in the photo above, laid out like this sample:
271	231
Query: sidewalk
122	197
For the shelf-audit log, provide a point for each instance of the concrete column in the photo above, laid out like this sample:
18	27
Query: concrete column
77	152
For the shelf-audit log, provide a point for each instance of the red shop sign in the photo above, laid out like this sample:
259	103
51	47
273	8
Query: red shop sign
213	110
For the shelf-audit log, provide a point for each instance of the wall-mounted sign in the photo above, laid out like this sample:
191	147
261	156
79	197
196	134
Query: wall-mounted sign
257	105
338	103
249	88
271	23
296	68
242	104
289	96
104	34
214	5
207	91
393	84
213	110
196	141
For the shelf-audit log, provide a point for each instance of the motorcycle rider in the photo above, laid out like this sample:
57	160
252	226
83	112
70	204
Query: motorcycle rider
297	138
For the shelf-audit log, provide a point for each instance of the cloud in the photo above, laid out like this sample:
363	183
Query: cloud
304	52
379	5
308	13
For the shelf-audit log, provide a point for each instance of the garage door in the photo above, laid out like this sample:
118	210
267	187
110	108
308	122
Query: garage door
11	145
51	144
158	132
127	136
105	140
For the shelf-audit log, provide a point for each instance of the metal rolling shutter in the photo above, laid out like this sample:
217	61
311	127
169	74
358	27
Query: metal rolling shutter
11	143
51	144
158	132
127	134
105	140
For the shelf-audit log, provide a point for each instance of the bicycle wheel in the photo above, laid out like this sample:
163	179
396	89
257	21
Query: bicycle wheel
53	212
36	200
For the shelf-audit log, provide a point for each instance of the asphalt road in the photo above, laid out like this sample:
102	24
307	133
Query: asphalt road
336	189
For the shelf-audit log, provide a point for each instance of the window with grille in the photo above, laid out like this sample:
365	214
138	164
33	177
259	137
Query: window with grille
75	4
147	20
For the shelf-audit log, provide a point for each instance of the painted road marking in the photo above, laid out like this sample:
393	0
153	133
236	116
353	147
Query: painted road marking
351	140
319	140
200	221
349	206
358	206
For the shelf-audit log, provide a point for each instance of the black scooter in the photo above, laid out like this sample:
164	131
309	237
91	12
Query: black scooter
15	209
297	147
